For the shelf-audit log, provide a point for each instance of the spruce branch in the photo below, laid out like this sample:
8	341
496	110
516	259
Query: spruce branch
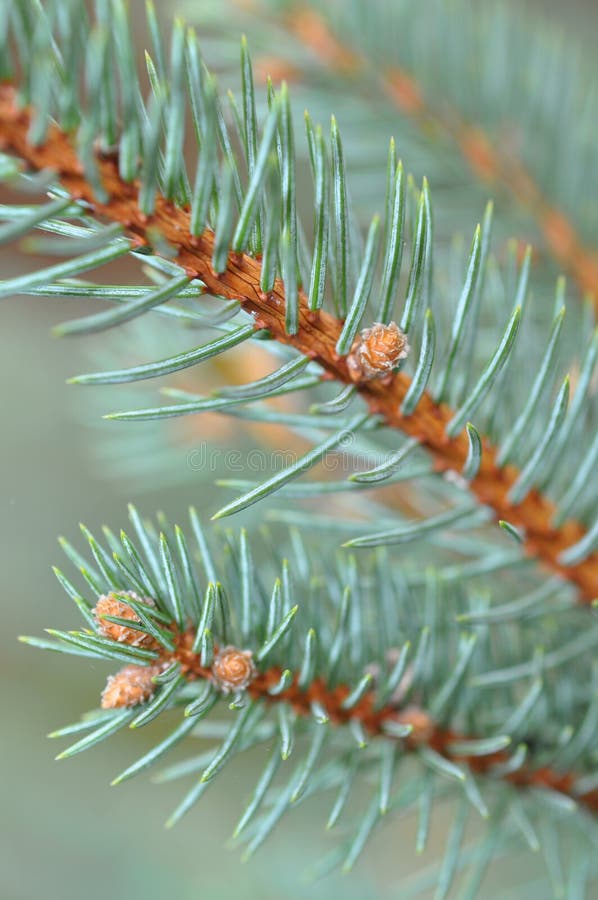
419	674
316	336
351	665
411	725
323	680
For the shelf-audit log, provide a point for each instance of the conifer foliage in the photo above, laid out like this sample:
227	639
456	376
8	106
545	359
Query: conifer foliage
421	626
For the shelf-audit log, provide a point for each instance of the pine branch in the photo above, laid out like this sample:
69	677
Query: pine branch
325	680
342	662
485	157
317	337
413	726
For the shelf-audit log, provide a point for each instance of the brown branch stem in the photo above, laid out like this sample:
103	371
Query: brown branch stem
373	718
316	337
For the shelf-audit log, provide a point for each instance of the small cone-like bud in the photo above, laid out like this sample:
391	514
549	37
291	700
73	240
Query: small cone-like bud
233	669
115	605
422	724
129	687
377	351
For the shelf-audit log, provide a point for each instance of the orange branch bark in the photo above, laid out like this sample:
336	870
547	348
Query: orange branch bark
316	337
425	732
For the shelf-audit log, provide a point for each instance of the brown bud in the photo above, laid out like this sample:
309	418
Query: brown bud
377	351
233	669
113	605
422	724
129	687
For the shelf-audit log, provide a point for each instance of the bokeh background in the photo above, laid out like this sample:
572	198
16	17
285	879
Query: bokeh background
65	834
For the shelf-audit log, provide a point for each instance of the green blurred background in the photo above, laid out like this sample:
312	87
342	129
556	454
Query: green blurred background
65	833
